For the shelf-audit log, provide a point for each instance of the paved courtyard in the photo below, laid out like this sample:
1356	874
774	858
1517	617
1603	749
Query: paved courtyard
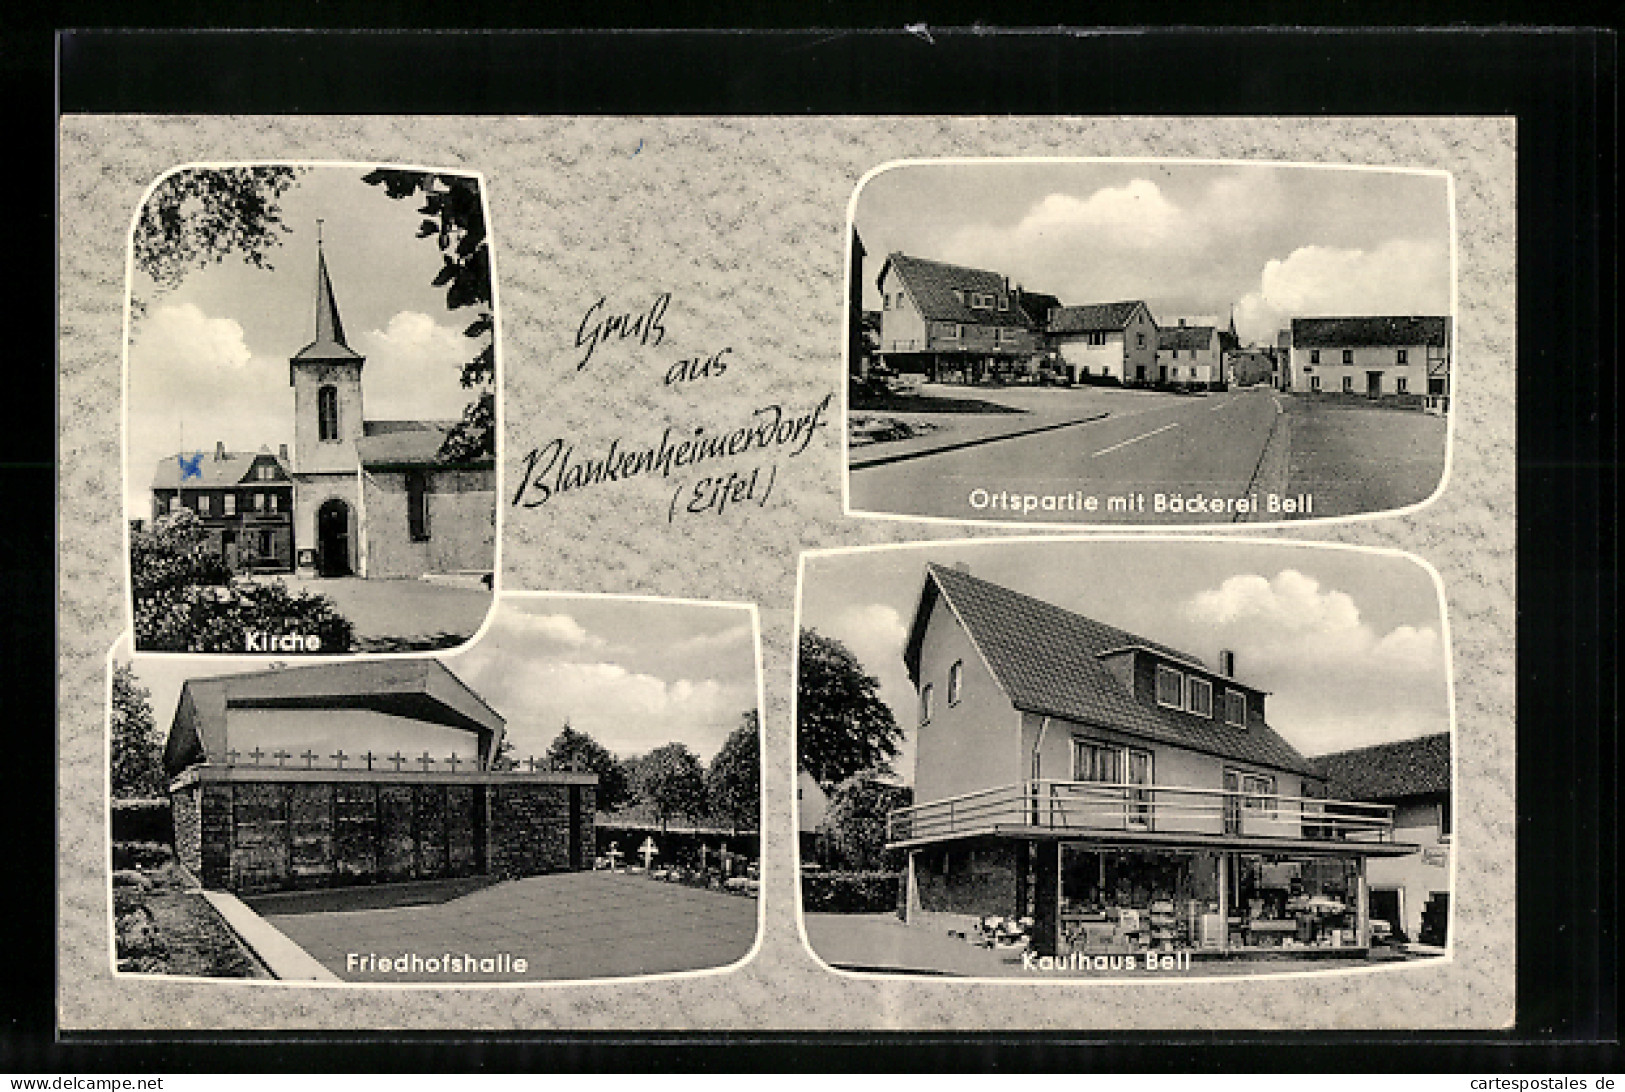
403	615
565	926
1356	459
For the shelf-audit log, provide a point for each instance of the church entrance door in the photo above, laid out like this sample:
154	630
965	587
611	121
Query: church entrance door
333	538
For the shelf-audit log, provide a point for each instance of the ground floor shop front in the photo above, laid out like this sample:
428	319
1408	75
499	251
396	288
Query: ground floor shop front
1096	898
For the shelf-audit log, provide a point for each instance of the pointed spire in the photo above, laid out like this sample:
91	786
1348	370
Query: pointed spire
329	344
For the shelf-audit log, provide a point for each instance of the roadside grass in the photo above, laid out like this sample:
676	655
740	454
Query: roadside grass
162	926
893	402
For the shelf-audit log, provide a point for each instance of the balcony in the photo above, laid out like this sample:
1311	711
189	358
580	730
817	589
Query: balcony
1153	814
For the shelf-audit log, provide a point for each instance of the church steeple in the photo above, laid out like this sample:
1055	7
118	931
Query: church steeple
329	344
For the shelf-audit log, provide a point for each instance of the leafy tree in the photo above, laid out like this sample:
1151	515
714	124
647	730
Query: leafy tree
573	750
855	824
672	782
454	217
196	217
137	755
504	760
842	725
733	780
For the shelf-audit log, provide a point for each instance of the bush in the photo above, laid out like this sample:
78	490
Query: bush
143	821
209	619
141	855
850	892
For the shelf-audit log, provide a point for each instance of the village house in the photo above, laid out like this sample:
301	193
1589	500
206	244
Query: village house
369	498
1411	894
357	773
1189	356
244	501
1112	341
1397	358
1117	792
951	322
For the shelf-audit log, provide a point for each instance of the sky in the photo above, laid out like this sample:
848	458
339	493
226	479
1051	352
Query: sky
208	360
1349	644
1192	240
633	674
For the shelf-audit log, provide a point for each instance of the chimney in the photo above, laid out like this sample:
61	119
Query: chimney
1227	663
282	452
1182	322
219	451
961	567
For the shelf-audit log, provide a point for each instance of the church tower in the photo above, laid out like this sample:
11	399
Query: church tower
326	380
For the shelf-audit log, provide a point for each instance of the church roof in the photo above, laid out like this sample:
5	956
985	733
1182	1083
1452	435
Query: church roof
205	469
403	443
419	689
329	344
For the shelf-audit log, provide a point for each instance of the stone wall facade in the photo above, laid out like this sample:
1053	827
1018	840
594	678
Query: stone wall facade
531	829
980	880
459	523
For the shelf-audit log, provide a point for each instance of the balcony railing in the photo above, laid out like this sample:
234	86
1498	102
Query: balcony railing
1090	807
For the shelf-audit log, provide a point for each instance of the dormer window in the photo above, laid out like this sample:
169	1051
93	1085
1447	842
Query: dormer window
1200	697
956	680
1170	687
1235	709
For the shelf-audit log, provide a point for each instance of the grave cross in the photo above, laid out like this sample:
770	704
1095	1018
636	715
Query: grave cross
256	754
452	760
231	756
310	757
426	761
396	758
531	761
704	849
281	756
614	854
369	756
648	850
339	757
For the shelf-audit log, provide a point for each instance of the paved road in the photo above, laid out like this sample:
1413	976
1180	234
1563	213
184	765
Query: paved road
568	925
1355	459
1167	445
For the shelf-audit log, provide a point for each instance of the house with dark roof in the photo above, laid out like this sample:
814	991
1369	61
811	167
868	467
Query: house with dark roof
1107	341
1411	893
1400	358
357	773
243	499
950	321
1117	791
1190	357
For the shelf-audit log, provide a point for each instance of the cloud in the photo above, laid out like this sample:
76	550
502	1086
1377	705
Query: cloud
1336	681
182	337
557	629
1400	277
414	368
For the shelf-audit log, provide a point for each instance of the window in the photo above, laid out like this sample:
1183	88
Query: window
230	504
417	505
327	413
1348	384
959	331
1097	338
959	295
276	502
175	502
1348	356
1400	384
1096	762
266	473
1235	708
1400	357
1004	303
1314	356
1170	687
1260	791
259	502
204	503
925	704
956	680
1139	340
1446	825
1314	382
1200	697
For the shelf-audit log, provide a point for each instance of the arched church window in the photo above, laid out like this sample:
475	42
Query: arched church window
327	412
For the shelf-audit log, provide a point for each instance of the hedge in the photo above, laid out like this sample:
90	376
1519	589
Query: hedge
850	892
141	855
143	821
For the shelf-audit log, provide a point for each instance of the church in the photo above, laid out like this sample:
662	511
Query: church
370	498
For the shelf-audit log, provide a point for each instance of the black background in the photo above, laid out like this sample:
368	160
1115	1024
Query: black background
1559	84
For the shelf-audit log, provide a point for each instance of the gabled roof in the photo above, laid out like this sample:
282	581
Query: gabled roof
212	470
420	689
1184	337
1047	660
1373	330
1388	771
932	285
329	344
1038	305
1092	317
402	443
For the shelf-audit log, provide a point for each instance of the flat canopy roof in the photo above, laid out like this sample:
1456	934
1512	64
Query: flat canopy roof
1147	839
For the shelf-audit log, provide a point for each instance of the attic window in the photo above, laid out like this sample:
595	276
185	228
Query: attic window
1170	687
1235	709
1200	697
959	295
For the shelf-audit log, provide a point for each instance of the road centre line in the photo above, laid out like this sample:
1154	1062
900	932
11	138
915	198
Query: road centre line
1137	439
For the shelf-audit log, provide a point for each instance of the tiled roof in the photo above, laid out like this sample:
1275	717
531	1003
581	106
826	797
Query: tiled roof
212	471
932	284
1090	317
1374	330
329	343
1388	771
402	443
1038	305
1185	337
1047	659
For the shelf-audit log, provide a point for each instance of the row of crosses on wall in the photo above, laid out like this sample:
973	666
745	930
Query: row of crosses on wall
396	762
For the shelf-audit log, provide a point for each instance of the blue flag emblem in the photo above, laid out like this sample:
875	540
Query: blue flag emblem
191	466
